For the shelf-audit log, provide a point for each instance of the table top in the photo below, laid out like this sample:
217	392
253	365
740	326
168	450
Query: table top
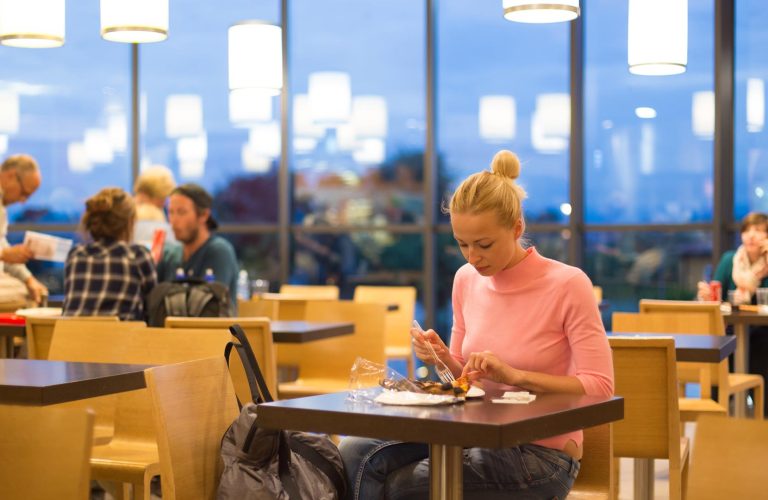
308	331
694	348
41	382
473	423
745	317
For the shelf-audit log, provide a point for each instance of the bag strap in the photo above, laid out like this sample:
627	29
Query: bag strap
197	300
322	464
250	361
255	396
284	468
176	303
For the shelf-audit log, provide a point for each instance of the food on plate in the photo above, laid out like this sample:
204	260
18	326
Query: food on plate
458	387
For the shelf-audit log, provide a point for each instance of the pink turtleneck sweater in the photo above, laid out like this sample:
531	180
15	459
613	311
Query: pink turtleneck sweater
540	316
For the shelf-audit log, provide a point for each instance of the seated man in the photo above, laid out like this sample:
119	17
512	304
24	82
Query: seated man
189	212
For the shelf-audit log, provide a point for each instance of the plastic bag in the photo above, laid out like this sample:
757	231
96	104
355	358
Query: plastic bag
367	378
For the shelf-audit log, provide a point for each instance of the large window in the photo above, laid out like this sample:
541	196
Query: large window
503	85
187	123
651	165
70	114
750	151
358	88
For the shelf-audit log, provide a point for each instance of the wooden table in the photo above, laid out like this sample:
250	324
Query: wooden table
307	331
447	429
40	382
694	348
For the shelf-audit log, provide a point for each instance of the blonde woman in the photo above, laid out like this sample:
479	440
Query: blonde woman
550	338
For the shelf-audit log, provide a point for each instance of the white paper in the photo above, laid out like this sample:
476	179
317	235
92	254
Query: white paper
407	398
47	247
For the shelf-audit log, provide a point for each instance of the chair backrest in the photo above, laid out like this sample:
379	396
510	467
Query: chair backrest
259	334
45	452
729	459
193	403
598	292
644	372
596	472
292	307
696	322
257	308
398	322
333	358
684	307
311	291
39	331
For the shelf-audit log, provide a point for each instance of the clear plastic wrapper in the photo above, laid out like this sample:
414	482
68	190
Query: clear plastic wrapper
366	380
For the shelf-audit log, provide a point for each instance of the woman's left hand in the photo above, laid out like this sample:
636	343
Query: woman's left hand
488	366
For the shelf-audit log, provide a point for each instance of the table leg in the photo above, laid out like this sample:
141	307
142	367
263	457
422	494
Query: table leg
741	363
446	476
643	479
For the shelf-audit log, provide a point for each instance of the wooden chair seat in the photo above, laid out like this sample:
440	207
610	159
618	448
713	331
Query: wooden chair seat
311	386
596	480
691	408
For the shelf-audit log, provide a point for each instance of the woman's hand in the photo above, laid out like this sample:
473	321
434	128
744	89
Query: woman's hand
419	340
704	291
488	366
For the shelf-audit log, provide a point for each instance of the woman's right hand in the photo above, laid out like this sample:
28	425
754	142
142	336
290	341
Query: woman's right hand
419	339
704	291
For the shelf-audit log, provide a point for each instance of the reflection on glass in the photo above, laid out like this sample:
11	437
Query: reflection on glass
643	264
357	258
257	254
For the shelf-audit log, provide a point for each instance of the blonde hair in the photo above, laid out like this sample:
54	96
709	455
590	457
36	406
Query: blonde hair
23	164
156	182
492	191
109	214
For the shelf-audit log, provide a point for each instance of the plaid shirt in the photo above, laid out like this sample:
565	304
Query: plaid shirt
108	278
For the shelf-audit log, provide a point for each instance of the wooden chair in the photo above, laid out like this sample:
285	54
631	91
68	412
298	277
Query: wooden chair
595	480
324	365
194	403
40	331
259	335
397	339
257	308
644	371
598	291
701	373
730	458
728	383
131	457
45	453
311	291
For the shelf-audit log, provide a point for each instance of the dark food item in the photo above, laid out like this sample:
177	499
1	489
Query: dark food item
458	387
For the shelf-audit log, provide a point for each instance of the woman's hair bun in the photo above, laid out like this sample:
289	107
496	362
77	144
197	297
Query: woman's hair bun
101	202
506	164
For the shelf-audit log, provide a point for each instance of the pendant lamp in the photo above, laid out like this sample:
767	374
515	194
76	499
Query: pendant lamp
541	11
134	21
255	56
657	37
35	24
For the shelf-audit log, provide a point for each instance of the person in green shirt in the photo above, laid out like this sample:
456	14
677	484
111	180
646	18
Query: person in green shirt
746	268
189	213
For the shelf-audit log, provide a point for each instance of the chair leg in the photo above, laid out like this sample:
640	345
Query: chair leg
616	478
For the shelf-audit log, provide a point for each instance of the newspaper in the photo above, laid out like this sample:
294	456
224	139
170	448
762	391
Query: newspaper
47	247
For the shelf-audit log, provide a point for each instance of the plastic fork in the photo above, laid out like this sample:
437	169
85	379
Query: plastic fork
443	372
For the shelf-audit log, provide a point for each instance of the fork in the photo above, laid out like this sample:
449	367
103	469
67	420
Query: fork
443	372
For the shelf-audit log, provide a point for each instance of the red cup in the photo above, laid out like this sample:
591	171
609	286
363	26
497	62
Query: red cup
716	291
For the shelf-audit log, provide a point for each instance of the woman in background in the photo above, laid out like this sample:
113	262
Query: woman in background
108	276
521	321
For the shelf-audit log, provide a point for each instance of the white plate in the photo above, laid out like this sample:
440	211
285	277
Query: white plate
39	311
475	392
407	398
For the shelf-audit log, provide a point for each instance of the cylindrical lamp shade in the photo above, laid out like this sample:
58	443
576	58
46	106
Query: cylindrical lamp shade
77	158
497	118
303	126
703	114
255	55
550	123
330	97
249	106
657	37
369	116
98	146
36	24
183	115
9	112
264	139
134	21
540	11
755	105
3	144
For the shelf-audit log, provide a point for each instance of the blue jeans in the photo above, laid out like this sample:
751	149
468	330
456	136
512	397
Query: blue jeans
393	470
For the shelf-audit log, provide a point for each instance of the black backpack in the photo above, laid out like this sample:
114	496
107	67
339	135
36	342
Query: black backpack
187	298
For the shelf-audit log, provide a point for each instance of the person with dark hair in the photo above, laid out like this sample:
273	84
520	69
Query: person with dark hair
108	276
19	179
189	212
